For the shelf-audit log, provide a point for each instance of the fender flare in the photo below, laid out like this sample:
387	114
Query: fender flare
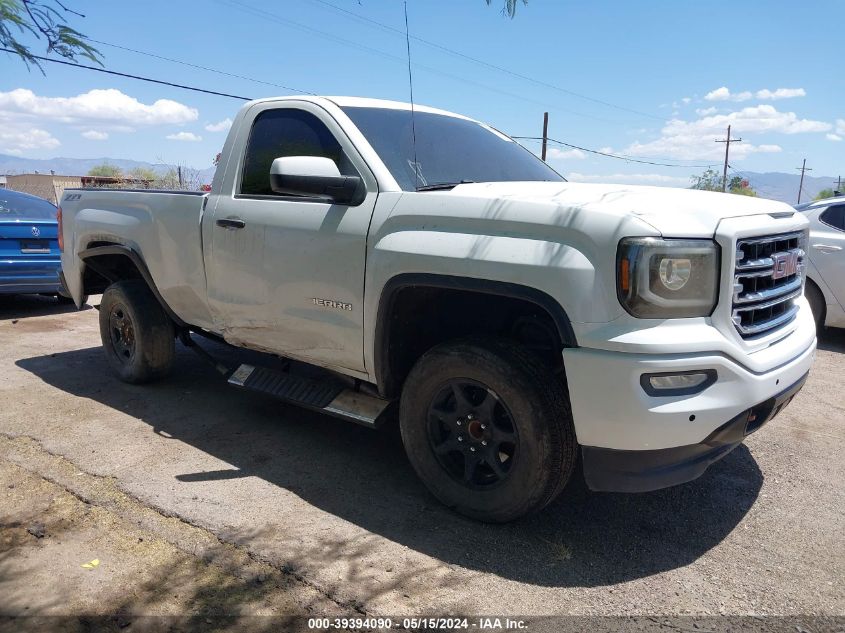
138	261
391	289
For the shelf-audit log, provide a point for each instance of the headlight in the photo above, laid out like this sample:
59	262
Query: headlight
661	279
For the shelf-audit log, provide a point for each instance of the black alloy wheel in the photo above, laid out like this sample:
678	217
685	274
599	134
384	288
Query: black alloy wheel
472	433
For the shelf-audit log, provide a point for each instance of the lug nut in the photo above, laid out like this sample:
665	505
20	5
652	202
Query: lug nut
484	442
483	426
460	438
472	448
459	422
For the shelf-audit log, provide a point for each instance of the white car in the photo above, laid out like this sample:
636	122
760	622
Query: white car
825	288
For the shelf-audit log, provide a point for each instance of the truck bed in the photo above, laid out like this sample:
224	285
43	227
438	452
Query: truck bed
163	225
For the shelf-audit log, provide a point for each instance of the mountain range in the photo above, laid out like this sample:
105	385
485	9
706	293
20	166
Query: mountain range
773	185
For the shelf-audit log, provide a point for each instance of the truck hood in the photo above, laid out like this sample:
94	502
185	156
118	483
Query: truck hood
672	212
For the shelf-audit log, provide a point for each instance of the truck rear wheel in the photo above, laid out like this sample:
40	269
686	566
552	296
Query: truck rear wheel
137	335
488	429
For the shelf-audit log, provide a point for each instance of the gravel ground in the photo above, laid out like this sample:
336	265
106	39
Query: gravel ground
199	499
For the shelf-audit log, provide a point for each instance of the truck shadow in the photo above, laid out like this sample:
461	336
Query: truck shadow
832	339
583	539
26	306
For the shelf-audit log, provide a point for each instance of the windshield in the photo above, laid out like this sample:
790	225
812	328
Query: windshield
16	206
449	150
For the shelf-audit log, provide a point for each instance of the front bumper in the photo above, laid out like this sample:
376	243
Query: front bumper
610	470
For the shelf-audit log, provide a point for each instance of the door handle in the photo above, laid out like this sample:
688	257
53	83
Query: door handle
231	223
827	248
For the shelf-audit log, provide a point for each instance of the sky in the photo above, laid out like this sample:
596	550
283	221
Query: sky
655	80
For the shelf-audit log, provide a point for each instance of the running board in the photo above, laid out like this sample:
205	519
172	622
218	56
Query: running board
314	394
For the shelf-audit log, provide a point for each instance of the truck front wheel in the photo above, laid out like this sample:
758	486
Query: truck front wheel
488	428
137	335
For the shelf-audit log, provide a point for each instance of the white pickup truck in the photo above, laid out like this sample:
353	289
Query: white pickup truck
422	258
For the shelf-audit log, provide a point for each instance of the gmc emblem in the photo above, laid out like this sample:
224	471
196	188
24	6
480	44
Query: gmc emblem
784	264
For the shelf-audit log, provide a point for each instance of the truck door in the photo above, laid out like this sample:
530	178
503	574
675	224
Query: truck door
286	273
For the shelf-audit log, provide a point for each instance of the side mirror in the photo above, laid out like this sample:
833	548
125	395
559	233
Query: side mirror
315	176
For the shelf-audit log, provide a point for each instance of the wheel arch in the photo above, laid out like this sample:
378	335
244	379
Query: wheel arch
111	262
389	376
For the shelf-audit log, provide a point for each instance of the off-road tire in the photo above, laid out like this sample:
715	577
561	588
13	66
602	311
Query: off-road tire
137	335
538	404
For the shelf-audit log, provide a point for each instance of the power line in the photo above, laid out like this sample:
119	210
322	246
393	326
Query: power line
488	64
207	68
138	77
242	98
264	14
630	159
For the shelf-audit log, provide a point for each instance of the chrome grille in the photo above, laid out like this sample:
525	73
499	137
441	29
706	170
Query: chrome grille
769	276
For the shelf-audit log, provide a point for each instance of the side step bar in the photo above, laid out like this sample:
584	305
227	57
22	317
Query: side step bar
314	394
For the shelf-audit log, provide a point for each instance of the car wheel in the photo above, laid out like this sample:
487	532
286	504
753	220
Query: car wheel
488	429
817	304
137	335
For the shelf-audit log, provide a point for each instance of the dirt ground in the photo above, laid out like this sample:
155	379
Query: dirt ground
199	501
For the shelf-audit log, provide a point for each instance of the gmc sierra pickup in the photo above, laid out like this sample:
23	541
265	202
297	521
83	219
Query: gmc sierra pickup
418	257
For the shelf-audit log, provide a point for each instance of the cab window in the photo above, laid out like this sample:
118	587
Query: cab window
286	132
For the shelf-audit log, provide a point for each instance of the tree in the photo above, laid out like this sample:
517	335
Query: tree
825	193
105	170
710	180
510	7
142	173
45	19
740	186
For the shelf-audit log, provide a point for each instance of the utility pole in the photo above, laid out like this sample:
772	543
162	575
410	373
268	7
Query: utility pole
838	186
803	168
179	172
545	134
728	140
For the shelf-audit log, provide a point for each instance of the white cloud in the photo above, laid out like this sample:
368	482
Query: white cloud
780	93
833	137
723	94
15	140
184	136
94	135
706	111
558	154
107	106
220	126
840	126
681	139
761	118
686	100
631	179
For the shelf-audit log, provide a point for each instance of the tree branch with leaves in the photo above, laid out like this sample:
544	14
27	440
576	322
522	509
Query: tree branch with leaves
44	20
510	7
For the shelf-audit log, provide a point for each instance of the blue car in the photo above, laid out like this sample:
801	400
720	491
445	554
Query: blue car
29	251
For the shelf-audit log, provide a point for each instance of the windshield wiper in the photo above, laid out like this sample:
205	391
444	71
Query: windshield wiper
444	186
